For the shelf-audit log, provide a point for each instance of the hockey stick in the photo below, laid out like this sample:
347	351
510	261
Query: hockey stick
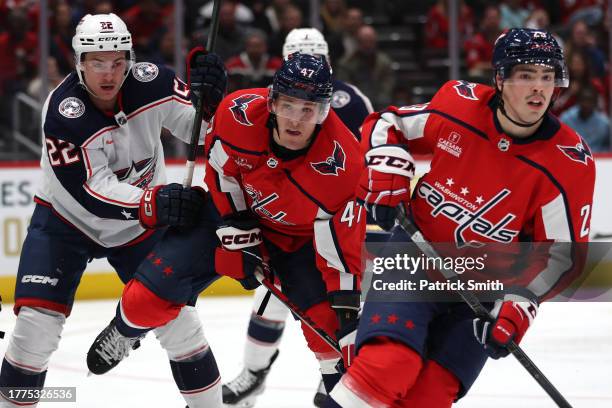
197	121
600	235
295	309
480	310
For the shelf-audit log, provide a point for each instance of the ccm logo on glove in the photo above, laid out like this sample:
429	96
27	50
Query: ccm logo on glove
234	239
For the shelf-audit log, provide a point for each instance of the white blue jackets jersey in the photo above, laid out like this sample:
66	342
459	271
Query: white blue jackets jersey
95	164
350	105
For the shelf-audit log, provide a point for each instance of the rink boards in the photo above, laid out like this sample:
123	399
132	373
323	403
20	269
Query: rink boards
18	183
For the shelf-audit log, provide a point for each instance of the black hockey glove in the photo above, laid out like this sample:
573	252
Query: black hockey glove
170	205
207	79
346	305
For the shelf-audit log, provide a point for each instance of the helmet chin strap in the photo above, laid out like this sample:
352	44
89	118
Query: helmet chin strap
502	109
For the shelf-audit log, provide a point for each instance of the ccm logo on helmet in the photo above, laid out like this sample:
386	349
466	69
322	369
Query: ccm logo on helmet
43	280
108	39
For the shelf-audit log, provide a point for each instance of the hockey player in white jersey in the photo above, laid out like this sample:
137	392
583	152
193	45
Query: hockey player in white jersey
103	194
265	331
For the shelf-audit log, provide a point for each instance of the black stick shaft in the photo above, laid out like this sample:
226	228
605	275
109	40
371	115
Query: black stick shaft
197	121
298	312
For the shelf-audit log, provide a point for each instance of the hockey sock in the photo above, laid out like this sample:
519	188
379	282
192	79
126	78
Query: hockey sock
330	381
435	387
140	310
262	342
198	380
11	376
372	380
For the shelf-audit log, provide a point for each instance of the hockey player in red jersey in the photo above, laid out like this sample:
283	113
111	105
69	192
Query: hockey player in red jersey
503	170
267	323
282	172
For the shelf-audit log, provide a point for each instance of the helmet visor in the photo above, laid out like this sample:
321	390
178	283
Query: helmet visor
105	67
531	74
299	110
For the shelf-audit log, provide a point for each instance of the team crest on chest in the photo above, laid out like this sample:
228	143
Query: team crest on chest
240	106
579	153
465	90
72	108
330	166
145	71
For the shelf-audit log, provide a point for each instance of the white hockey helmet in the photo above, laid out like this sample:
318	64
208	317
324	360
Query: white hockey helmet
307	41
101	32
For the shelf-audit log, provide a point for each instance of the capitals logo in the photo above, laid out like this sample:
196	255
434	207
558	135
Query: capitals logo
240	106
579	153
465	90
330	166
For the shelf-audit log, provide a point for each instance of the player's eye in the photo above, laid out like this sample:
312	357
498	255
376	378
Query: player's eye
307	111
525	76
548	78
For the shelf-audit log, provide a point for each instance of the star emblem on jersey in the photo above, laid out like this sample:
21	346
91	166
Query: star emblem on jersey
449	182
145	71
579	153
240	106
126	214
503	144
330	166
72	108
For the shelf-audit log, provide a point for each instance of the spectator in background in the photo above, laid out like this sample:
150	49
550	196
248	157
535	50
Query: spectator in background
61	37
104	7
581	76
584	40
513	14
479	48
231	36
147	20
18	53
436	29
55	78
254	67
369	69
332	16
243	14
353	21
591	124
274	14
290	18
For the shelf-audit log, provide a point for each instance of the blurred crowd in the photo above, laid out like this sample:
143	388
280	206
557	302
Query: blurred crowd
365	40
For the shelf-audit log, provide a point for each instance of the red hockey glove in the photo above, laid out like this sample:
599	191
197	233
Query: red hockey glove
346	305
510	319
385	183
170	205
242	265
207	78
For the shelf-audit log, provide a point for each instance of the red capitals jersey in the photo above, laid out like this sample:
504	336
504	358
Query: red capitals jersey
308	198
485	186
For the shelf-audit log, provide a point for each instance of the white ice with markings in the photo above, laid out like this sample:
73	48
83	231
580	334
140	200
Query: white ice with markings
570	342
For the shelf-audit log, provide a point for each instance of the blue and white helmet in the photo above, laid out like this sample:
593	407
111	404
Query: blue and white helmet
303	77
529	46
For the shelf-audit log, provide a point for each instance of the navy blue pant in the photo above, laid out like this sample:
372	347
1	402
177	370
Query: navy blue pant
55	255
440	331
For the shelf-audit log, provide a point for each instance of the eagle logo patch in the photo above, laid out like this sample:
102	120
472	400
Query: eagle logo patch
240	106
334	162
465	90
579	153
